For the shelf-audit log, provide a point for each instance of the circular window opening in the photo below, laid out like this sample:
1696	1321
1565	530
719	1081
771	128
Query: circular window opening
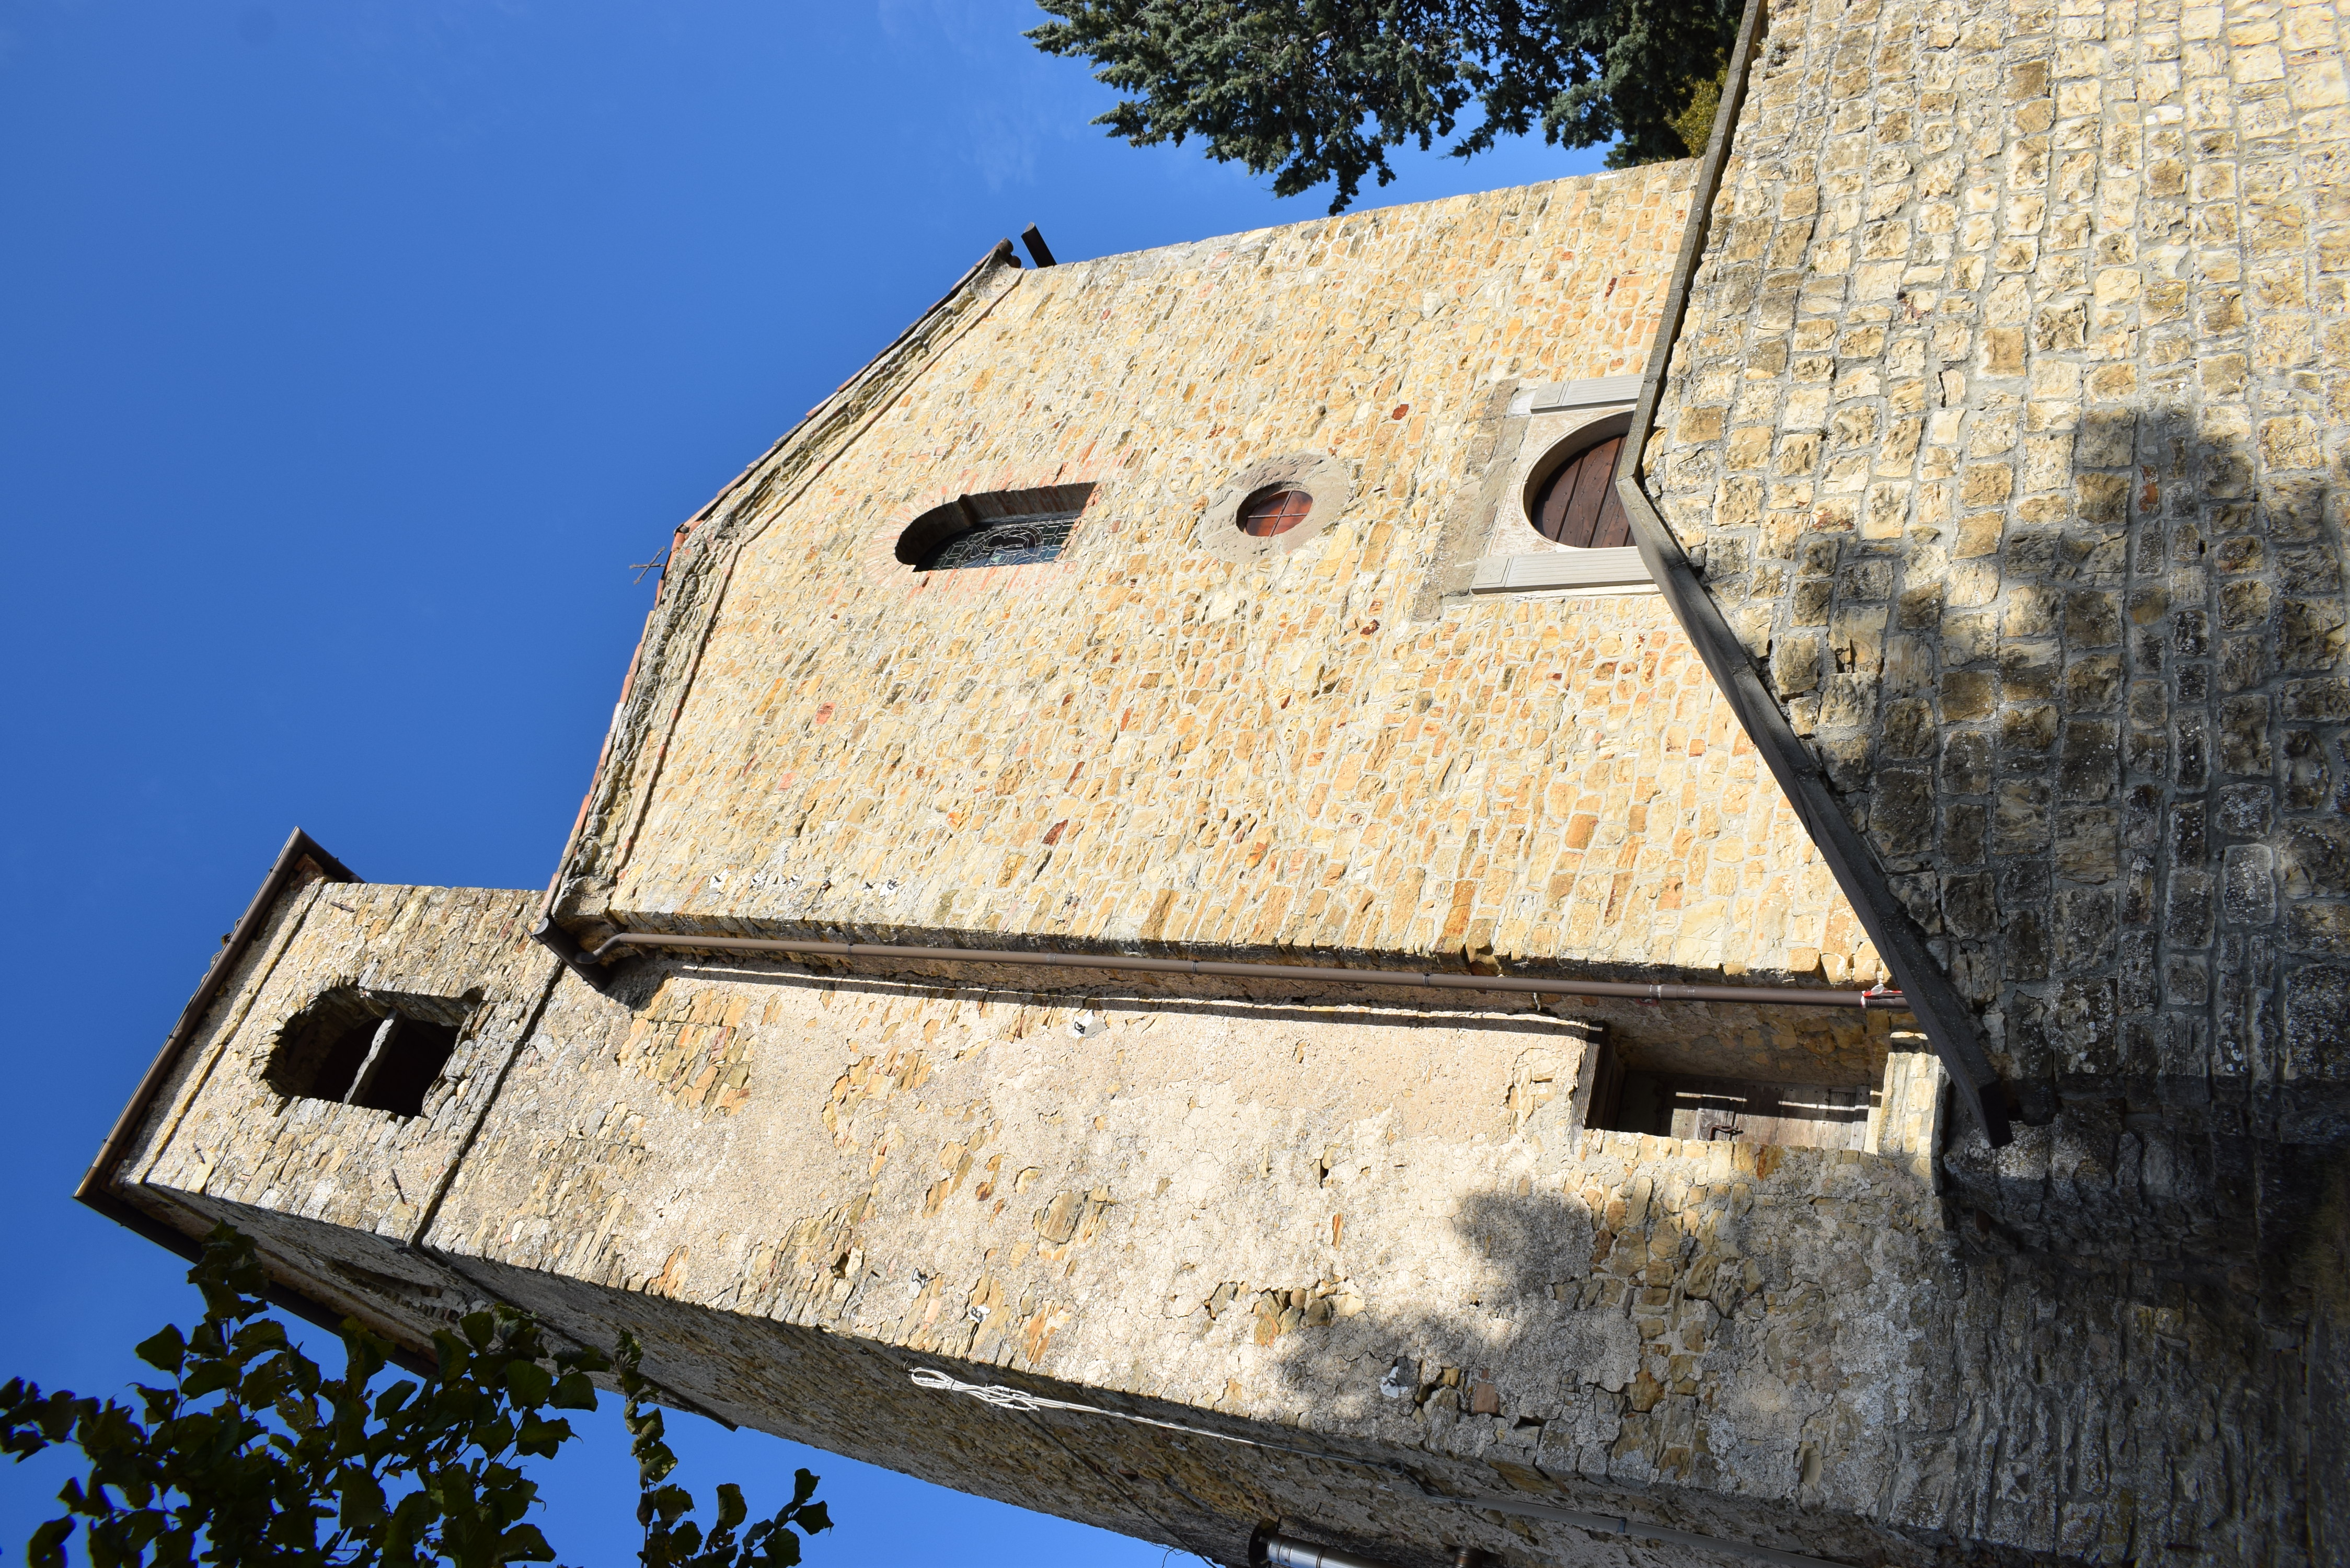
1577	505
1272	512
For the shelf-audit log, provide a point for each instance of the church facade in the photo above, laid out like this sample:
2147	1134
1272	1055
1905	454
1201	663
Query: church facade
1648	869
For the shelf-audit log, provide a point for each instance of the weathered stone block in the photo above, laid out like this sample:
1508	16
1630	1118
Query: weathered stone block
2088	765
2315	859
2092	620
2187	910
2088	843
2027	731
2083	928
1968	695
1901	816
2320	927
2315	700
2248	885
2310	635
1909	729
2317	1021
2244	736
2019	823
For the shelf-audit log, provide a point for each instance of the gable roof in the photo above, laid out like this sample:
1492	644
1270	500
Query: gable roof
702	557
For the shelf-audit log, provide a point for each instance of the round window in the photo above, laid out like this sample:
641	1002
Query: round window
1275	511
1273	506
1577	505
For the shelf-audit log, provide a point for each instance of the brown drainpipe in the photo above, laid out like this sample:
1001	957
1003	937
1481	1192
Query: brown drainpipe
1271	1551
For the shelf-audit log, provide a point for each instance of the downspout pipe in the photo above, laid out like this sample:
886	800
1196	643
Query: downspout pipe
566	946
1270	1550
1948	1022
1743	995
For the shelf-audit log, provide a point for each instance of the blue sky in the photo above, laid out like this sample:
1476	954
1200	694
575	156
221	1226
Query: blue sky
349	354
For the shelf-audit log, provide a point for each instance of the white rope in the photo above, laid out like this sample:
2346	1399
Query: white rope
1005	1398
997	1395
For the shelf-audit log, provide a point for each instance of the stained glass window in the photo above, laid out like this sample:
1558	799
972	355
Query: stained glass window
1004	542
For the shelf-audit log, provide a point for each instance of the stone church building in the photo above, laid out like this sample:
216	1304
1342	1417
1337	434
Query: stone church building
1650	869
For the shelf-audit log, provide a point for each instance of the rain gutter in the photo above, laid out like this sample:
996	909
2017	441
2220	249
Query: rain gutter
1632	990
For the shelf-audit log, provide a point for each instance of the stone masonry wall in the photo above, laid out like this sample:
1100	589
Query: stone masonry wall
1376	1232
1146	743
2005	418
223	1129
2007	422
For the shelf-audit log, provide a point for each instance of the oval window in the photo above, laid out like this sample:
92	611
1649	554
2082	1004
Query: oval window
1577	505
1272	512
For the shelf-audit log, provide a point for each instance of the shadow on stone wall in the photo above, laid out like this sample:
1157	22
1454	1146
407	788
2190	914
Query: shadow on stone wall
2164	1174
2096	738
1693	1349
2324	1260
1749	1353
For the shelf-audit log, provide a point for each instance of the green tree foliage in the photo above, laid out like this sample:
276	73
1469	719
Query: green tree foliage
1309	90
1694	125
250	1455
672	1540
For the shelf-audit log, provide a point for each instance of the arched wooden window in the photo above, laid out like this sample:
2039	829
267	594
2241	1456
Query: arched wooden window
1005	542
1577	505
